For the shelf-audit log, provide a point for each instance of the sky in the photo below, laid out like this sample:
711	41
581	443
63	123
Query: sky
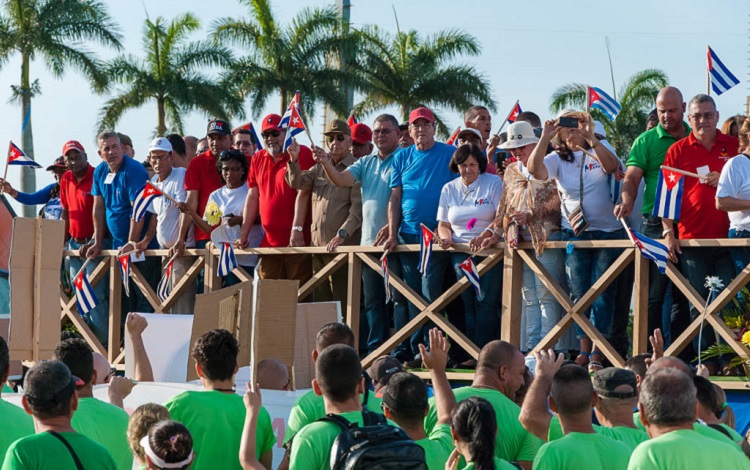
528	49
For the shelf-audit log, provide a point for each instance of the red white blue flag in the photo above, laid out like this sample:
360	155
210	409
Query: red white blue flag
386	277
425	250
124	262
165	285
352	119
17	157
292	121
249	126
227	260
85	298
143	200
603	102
472	274
453	139
514	113
650	249
721	78
668	195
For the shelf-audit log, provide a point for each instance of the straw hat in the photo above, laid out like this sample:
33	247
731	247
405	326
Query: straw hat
520	134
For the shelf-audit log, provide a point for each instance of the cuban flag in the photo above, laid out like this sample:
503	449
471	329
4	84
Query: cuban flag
615	183
472	274
425	250
352	119
514	114
227	260
249	126
85	298
386	277
284	123
143	200
721	78
17	157
650	249
453	139
603	102
293	123
124	262
668	195
165	285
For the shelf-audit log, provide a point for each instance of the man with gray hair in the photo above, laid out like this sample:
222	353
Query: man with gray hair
667	403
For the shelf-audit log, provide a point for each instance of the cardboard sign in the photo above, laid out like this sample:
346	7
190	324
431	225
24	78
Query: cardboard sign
274	321
310	318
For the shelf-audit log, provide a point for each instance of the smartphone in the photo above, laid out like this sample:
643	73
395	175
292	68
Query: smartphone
500	157
567	122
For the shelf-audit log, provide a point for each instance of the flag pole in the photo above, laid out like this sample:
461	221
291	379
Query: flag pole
82	267
506	118
5	175
683	172
708	71
162	192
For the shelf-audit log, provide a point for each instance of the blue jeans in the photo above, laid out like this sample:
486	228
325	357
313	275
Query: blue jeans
583	267
375	311
431	285
740	255
98	317
542	309
482	316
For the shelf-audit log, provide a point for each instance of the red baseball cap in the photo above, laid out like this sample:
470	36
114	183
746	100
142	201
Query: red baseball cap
421	113
361	133
271	123
72	145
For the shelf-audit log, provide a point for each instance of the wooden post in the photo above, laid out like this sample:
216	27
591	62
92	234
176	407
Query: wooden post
353	292
640	305
512	284
115	310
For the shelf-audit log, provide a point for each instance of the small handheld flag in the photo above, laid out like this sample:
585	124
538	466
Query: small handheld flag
124	262
292	120
17	157
143	200
165	285
85	298
603	102
514	113
425	250
227	260
615	183
721	78
472	274
249	127
386	277
453	139
352	120
668	195
651	249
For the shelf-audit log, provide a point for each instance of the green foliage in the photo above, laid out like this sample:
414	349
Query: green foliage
637	97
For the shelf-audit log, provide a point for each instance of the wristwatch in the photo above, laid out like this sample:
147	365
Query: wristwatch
297	228
343	234
665	232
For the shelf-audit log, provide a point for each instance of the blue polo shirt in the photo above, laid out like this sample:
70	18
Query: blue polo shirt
374	175
422	175
118	196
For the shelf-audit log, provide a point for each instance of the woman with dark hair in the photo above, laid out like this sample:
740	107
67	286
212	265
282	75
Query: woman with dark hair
141	421
168	445
580	166
473	427
467	207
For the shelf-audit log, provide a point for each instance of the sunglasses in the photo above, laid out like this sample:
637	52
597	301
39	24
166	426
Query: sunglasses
339	137
271	134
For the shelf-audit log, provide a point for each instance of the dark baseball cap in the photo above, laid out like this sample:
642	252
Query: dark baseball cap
49	383
218	126
383	368
606	381
59	163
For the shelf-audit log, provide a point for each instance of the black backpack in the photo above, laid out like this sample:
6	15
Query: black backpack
374	445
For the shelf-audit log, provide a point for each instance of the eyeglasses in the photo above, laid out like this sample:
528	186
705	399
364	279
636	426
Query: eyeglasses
339	137
271	134
697	117
158	158
112	372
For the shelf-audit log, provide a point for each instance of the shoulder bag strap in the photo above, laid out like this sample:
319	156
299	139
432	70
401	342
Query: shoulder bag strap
73	454
580	195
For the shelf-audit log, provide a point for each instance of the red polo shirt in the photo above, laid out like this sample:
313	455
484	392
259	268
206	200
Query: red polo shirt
699	217
276	198
203	176
76	198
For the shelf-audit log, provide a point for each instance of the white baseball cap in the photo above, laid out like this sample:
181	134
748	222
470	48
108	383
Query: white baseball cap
160	143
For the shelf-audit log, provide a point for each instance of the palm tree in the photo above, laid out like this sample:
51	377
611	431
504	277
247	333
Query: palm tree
170	74
56	31
281	60
637	97
408	71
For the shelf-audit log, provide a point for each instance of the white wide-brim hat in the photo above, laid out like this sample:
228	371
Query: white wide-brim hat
519	134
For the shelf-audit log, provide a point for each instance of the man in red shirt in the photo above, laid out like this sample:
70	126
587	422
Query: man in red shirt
275	200
704	151
78	209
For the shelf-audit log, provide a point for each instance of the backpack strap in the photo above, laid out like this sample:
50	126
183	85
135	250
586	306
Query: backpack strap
338	420
721	429
370	419
73	454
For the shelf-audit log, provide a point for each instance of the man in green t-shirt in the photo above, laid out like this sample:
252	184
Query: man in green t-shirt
500	373
50	397
17	423
646	157
667	402
216	416
581	447
100	421
405	402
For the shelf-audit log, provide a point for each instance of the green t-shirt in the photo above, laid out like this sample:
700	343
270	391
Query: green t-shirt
310	407
16	424
686	449
513	442
7	389
107	425
736	437
311	447
437	446
580	450
500	464
628	436
647	153
698	427
215	421
44	451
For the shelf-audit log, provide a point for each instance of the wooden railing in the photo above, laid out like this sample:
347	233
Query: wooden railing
353	257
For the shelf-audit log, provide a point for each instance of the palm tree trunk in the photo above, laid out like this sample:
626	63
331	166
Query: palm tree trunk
404	112
284	94
28	177
161	127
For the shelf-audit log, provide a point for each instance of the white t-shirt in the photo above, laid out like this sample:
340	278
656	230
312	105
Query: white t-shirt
734	181
167	214
597	202
469	209
232	201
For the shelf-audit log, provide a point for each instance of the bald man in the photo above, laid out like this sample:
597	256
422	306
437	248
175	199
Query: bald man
102	368
273	374
646	157
191	146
